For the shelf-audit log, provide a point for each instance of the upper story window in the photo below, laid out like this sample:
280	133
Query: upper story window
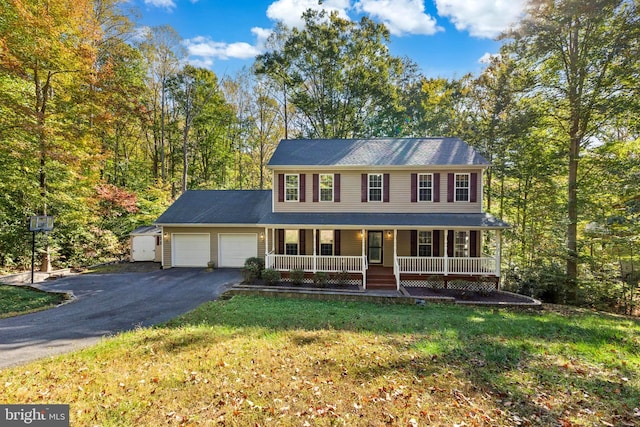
326	187
425	243
326	242
291	238
425	187
375	187
462	187
461	244
291	188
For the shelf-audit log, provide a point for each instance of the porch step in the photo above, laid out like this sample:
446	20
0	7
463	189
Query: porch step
380	278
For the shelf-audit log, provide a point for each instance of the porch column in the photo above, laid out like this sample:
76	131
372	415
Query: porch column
364	264
396	266
446	252
266	248
498	250
315	266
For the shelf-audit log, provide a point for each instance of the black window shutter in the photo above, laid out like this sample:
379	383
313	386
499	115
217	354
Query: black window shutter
414	242
450	243
451	182
385	185
474	187
303	188
316	187
473	242
336	242
414	187
363	188
281	187
301	242
336	188
436	187
436	242
281	241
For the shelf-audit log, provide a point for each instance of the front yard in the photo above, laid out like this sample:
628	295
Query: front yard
266	361
16	300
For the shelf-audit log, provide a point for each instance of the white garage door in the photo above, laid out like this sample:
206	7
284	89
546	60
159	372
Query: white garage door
143	248
236	248
191	250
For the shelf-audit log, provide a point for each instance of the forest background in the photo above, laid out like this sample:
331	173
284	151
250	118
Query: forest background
102	127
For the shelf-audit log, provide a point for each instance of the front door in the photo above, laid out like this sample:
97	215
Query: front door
375	247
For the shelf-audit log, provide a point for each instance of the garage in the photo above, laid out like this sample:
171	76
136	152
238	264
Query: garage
191	250
234	249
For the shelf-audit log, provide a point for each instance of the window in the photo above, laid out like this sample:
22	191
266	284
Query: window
326	187
425	187
425	243
375	187
291	242
326	242
461	244
291	188
462	187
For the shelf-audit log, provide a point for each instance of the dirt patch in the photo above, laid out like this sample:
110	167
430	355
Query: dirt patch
469	296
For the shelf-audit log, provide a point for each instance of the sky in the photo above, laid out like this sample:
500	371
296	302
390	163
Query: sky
446	38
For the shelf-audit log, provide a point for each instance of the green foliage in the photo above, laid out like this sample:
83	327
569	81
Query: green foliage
16	300
341	278
297	276
271	276
253	269
321	279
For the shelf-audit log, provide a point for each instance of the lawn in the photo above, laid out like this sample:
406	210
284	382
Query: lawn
267	361
16	300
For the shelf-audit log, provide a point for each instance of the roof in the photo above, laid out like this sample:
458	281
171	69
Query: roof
386	220
218	207
253	207
376	152
146	229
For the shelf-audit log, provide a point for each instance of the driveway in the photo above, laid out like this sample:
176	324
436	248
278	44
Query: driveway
106	304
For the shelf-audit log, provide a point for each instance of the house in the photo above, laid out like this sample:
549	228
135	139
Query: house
392	211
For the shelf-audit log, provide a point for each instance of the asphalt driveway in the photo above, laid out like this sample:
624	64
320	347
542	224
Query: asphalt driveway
106	304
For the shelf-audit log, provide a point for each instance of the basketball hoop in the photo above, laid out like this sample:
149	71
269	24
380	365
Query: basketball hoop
41	223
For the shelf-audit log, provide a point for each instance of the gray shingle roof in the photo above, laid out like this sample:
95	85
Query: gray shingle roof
253	207
375	152
218	207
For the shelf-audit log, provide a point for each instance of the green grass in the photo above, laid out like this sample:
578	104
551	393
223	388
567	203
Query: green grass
15	300
268	361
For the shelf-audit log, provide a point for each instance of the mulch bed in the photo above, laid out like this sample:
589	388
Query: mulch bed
305	285
470	296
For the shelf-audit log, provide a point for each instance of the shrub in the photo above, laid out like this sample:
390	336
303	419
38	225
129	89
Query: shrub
341	278
320	279
296	276
252	270
271	276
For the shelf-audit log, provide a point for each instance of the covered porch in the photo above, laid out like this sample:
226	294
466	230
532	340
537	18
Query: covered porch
387	256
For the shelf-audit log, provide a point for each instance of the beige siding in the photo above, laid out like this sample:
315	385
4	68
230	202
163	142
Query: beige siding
213	232
399	195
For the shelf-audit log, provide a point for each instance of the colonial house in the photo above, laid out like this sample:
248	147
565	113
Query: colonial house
389	212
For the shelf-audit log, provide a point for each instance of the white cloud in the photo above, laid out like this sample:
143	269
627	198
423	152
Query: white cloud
262	34
202	51
400	16
487	58
481	18
290	11
167	4
140	34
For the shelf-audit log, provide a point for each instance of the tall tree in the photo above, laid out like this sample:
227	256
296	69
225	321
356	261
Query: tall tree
337	73
582	52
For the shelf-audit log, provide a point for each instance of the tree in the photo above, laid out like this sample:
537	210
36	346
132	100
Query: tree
581	52
336	72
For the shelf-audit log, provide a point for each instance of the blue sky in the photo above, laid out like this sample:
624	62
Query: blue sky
447	38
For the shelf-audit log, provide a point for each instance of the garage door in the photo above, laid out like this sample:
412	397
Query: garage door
191	250
236	248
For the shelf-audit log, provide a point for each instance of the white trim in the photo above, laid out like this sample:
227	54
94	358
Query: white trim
333	187
418	187
369	175
297	188
455	187
375	167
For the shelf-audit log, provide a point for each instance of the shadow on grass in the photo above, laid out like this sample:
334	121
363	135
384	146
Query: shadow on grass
513	356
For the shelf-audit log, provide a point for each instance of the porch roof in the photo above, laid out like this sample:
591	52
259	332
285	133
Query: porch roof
385	220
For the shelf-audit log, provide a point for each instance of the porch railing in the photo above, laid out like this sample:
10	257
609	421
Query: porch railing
447	265
310	263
